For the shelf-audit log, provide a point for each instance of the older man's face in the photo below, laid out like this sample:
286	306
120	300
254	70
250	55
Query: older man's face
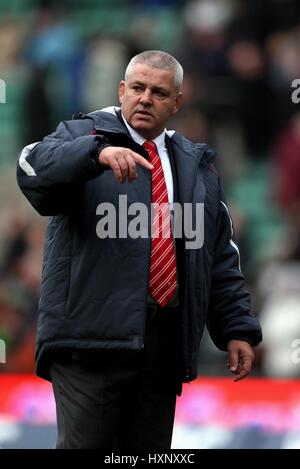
148	99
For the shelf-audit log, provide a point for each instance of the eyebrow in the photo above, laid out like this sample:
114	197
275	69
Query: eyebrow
155	88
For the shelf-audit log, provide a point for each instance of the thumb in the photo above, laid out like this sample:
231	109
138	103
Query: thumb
233	360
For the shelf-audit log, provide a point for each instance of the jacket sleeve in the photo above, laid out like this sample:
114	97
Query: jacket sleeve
50	172
229	315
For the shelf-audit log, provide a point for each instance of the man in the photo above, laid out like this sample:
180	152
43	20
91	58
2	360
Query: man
120	316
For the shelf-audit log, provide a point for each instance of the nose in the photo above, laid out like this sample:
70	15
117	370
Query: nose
146	98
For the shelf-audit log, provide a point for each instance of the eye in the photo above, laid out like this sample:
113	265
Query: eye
137	88
160	94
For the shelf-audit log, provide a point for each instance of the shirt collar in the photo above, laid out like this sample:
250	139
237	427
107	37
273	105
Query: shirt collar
159	141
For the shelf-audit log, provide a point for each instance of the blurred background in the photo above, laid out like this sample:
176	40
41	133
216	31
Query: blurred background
240	58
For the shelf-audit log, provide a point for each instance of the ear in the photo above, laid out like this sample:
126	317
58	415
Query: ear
121	90
178	102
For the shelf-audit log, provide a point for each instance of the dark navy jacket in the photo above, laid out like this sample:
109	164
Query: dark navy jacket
94	291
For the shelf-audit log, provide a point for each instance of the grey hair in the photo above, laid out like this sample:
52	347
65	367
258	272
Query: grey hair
158	59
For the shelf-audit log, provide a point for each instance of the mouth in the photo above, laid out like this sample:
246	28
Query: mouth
143	113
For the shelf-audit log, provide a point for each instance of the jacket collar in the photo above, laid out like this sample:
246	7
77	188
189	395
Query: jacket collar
109	120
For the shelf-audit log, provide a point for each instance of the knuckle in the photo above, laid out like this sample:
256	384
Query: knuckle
119	152
131	163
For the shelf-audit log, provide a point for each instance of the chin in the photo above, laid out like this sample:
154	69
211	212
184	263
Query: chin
142	123
141	126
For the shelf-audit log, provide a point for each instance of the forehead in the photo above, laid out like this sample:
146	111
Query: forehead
151	76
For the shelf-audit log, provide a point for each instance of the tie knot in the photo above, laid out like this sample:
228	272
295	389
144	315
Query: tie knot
149	146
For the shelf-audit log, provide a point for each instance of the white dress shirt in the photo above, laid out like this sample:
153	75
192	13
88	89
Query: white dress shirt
162	153
166	165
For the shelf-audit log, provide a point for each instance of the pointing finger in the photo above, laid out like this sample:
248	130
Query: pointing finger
141	160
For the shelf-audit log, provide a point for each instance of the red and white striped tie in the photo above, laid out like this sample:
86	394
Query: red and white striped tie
162	262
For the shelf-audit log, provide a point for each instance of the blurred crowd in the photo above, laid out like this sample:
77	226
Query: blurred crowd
240	58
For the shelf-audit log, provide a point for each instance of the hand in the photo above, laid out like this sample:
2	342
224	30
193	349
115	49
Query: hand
123	162
240	359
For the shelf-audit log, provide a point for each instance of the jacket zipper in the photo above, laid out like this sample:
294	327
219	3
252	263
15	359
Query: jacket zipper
185	340
185	345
